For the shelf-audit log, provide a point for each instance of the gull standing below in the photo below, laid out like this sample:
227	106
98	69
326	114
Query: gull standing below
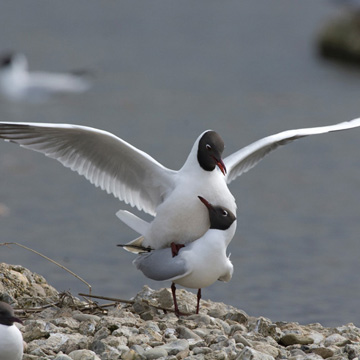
138	179
198	264
18	84
11	340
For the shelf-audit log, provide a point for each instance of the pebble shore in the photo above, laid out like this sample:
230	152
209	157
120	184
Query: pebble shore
61	327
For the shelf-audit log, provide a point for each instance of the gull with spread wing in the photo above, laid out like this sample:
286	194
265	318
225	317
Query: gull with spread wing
135	177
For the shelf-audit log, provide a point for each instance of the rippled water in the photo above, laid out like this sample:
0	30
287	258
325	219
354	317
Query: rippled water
164	72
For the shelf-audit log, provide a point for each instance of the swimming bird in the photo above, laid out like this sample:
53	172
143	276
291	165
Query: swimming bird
17	83
11	340
141	181
198	264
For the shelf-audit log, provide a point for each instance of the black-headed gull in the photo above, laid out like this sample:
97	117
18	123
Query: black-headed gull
198	264
138	179
17	83
11	340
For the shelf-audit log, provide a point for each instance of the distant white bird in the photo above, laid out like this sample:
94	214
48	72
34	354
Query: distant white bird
18	84
11	340
198	264
136	178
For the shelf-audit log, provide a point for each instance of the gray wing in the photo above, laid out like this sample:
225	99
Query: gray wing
104	159
160	265
246	158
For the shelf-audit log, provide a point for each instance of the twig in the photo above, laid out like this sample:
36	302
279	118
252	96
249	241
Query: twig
108	298
51	260
127	302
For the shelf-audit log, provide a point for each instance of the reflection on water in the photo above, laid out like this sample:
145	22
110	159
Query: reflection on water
165	72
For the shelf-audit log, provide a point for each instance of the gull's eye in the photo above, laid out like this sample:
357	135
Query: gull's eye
225	213
208	147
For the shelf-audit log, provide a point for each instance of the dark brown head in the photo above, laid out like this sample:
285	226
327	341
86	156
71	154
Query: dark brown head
211	147
221	218
6	60
7	315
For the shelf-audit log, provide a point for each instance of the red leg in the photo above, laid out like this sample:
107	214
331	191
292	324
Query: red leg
175	248
173	290
198	301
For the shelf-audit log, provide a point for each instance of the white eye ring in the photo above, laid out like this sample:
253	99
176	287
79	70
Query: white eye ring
225	213
208	147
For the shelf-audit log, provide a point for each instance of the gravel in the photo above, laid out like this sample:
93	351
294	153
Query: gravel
61	327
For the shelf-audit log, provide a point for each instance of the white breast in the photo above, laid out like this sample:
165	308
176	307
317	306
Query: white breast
11	343
182	217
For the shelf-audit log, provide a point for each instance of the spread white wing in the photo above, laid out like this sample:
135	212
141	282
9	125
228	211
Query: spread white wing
104	159
246	158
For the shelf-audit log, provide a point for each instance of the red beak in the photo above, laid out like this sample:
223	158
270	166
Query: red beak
205	202
221	166
15	319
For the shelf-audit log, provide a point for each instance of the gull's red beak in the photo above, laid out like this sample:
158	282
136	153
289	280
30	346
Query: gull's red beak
16	319
221	166
205	202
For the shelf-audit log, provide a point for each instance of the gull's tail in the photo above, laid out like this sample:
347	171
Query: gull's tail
135	246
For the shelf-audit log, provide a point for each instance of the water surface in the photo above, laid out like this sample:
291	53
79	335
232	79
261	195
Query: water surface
165	72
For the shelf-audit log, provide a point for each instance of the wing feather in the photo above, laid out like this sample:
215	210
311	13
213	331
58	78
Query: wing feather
246	158
160	265
104	159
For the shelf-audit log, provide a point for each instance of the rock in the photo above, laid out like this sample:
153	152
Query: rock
336	339
291	339
83	355
323	352
62	357
353	351
176	346
74	330
185	333
155	353
340	39
85	317
26	287
251	354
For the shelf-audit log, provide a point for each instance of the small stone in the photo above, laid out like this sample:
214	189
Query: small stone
79	316
336	339
185	333
251	354
102	333
165	299
138	339
225	326
139	349
62	357
130	355
266	348
155	353
323	352
291	339
87	327
200	319
201	350
176	346
169	333
66	322
353	351
83	355
237	315
241	339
